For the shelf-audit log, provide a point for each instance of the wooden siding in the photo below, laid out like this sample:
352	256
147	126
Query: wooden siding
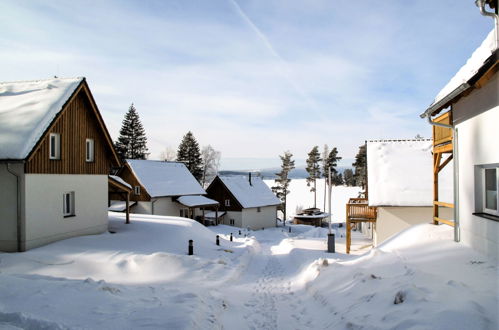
219	192
442	135
77	122
127	174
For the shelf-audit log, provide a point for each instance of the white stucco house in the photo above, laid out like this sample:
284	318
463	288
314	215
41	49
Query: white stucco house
165	188
55	158
466	114
246	202
400	185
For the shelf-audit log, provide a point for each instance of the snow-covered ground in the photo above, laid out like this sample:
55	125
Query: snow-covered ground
142	277
300	197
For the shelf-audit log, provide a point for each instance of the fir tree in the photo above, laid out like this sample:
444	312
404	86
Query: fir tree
188	153
314	171
132	141
348	177
337	179
325	153
360	166
283	180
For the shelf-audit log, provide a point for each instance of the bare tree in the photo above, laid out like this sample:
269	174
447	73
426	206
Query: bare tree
211	163
168	154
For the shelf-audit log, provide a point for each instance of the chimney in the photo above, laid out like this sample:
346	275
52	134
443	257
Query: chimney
250	178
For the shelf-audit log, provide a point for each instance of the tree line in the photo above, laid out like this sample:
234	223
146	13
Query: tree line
203	162
318	166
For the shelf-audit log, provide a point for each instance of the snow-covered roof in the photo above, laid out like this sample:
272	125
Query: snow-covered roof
213	215
255	195
468	70
120	180
400	173
165	178
119	206
193	201
26	110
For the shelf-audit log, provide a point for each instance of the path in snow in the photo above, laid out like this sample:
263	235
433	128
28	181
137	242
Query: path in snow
271	294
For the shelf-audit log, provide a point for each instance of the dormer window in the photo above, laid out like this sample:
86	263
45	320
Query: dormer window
89	150
55	146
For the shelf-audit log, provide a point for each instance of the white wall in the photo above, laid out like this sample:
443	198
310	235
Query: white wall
237	216
158	206
44	218
257	220
477	145
8	206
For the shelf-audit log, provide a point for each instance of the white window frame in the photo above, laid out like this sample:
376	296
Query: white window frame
227	202
55	150
89	150
136	190
484	191
68	204
259	209
232	222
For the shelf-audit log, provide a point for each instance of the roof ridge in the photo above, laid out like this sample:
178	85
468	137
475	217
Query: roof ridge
40	80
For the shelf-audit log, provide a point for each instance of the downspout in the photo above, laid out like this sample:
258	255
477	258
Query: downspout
481	5
457	233
18	202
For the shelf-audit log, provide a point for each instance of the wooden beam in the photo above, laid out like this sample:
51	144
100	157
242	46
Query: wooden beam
449	205
446	148
447	222
348	238
436	162
127	208
441	167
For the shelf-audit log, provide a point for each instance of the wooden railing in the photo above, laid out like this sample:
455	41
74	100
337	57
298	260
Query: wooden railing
442	135
358	210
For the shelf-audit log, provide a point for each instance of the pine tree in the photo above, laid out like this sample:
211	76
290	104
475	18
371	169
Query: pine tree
332	162
348	177
337	179
360	166
132	141
314	171
188	153
282	181
325	153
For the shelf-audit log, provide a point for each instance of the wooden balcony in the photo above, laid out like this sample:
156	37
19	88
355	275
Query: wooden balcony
358	210
442	135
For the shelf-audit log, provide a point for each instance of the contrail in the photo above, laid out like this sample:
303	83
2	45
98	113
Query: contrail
284	70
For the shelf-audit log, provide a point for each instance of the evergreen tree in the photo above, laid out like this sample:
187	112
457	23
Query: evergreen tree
314	171
337	179
132	141
188	153
348	177
360	166
332	162
282	181
325	153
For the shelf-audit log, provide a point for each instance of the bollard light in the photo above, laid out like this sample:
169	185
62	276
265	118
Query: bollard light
231	237
191	247
218	240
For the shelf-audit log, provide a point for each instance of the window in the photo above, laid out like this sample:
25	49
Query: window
232	222
490	188
68	204
54	146
184	213
89	147
136	190
258	209
227	202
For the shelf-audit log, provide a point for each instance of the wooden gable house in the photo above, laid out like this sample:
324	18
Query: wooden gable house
55	158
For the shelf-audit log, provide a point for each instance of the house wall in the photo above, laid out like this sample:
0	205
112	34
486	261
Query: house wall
44	218
393	219
158	206
8	205
257	220
477	118
237	216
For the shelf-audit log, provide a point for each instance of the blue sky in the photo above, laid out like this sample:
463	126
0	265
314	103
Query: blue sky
251	78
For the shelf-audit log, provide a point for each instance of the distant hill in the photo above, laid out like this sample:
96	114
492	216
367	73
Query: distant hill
269	173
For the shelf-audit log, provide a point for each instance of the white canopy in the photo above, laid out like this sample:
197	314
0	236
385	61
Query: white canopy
195	201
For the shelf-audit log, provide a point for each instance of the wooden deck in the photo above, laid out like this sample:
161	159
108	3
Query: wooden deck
358	210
